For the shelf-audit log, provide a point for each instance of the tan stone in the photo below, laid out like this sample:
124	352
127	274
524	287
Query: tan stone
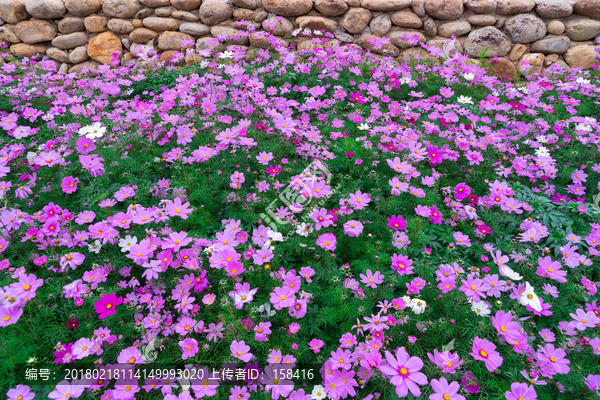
95	24
243	14
355	20
70	41
23	50
282	28
385	5
481	6
101	47
579	56
186	5
120	26
214	11
156	3
517	52
161	24
456	28
230	32
381	25
123	9
262	42
429	27
580	29
418	7
535	60
78	55
83	8
482	19
511	7
194	29
32	32
488	39
550	59
13	11
70	25
164	11
504	69
250	4
170	40
46	9
525	28
553	9
317	24
288	8
331	8
186	16
88	66
137	23
387	50
556	28
445	10
142	35
400	38
588	8
7	34
58	54
556	45
406	19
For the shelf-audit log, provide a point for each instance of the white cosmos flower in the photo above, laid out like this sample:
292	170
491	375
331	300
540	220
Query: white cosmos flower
482	309
95	247
304	229
94	131
542	139
508	272
127	242
364	127
318	393
542	152
266	308
465	100
469	76
529	298
418	306
226	54
580	80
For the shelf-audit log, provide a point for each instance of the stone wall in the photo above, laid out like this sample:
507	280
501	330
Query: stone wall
86	32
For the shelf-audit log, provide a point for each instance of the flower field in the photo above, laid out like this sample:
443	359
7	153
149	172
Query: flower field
349	226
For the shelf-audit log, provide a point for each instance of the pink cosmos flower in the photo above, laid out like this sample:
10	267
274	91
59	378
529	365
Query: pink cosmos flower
189	347
322	218
107	304
240	350
176	208
404	372
551	269
461	191
484	350
353	228
327	241
402	264
583	320
21	392
261	331
65	391
282	297
316	345
444	390
521	391
69	184
359	200
372	279
462	239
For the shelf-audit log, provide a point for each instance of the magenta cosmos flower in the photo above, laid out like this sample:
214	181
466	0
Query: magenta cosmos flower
404	372
69	184
444	390
397	222
521	391
484	350
107	304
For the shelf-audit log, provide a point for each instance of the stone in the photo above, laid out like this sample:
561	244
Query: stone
70	41
535	60
343	36
46	9
7	34
120	26
194	29
556	28
170	40
244	14
354	3
13	11
95	24
496	42
260	16
88	66
32	32
385	5
511	7
562	64
203	43
445	10
186	5
386	50
457	28
70	25
64	68
525	28
331	8
186	16
588	8
161	24
381	25
126	43
500	22
264	43
553	9
517	52
418	7
578	56
101	47
163	11
503	68
481	6
482	19
250	4
556	45
58	54
580	29
169	57
214	11
355	20
137	23
317	24
447	45
282	28
142	35
121	8
79	55
406	19
429	27
143	13
396	37
32	51
230	32
550	59
288	8
156	3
